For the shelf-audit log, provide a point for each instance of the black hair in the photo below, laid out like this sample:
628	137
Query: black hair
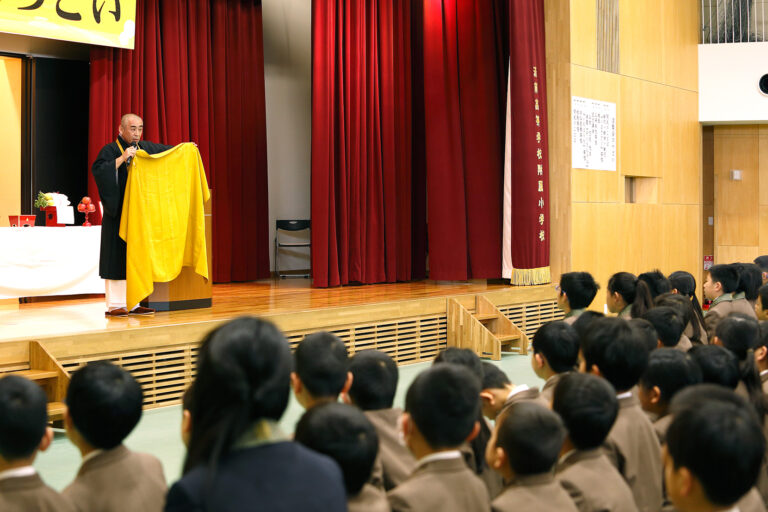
580	288
374	380
762	340
558	342
740	334
685	284
657	283
634	291
668	324
243	376
670	370
23	417
613	346
762	263
763	294
718	439
588	406
469	360
444	403
104	402
321	364
684	307
344	434
531	436
493	377
750	279
583	322
718	365
726	275
646	332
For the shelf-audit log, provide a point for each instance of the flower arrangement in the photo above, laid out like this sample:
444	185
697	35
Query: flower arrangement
43	200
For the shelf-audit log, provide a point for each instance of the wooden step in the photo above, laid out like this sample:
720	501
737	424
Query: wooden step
487	317
507	338
56	411
36	374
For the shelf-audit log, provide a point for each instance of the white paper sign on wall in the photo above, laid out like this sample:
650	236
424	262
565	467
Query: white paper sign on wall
593	134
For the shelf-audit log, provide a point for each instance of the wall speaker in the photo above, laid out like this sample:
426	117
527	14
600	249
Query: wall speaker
763	84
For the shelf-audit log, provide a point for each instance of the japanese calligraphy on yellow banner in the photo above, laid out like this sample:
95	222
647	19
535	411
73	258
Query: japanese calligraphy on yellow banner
100	22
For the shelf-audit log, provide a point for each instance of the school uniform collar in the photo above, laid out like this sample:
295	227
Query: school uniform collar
626	312
100	458
739	295
531	480
575	312
552	381
17	472
763	375
726	297
576	455
439	456
517	389
627	399
262	432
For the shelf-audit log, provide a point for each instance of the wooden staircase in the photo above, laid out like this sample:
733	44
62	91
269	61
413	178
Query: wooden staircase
487	332
50	375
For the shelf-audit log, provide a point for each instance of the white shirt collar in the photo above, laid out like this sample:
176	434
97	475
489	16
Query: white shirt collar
17	472
763	372
517	389
566	455
626	394
450	454
91	455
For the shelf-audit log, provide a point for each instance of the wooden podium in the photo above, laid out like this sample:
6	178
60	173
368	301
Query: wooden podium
189	290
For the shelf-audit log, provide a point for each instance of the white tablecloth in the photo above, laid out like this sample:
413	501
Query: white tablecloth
38	261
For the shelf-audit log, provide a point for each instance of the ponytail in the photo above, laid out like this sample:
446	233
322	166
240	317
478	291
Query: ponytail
643	301
634	292
685	284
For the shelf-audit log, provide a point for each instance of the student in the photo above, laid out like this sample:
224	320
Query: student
669	326
373	389
441	411
718	365
321	373
498	393
646	332
240	392
584	321
627	295
684	284
761	356
692	331
24	432
745	295
718	287
104	404
762	264
588	407
657	283
524	449
576	292
761	304
555	352
714	450
344	434
613	350
668	372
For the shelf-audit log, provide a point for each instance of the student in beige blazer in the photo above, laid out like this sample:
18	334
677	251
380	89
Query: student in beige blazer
104	404
669	325
613	350
343	433
627	296
498	393
524	448
588	406
684	284
745	295
441	411
555	352
374	384
718	287
575	293
24	432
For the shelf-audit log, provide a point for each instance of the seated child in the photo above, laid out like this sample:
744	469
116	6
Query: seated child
693	332
745	295
718	287
555	352
714	450
761	305
23	432
669	326
320	369
499	393
588	407
646	332
576	292
657	282
103	406
684	284
717	364
441	411
627	296
615	351
668	372
524	449
344	434
373	389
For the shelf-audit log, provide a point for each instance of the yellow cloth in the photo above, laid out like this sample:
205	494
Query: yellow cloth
163	221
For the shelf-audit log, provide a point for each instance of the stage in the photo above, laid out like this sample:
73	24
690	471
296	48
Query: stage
407	320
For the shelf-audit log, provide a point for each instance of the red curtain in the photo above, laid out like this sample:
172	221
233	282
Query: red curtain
530	162
464	77
361	141
197	74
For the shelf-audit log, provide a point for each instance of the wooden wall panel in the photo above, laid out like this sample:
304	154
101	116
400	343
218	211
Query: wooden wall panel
681	238
679	33
641	119
583	30
681	148
763	235
762	162
735	253
640	43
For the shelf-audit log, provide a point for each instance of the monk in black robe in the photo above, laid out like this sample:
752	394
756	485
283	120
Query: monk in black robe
110	171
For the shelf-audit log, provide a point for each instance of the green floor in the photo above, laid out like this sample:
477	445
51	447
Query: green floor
158	431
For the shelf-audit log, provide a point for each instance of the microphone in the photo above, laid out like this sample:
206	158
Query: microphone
128	160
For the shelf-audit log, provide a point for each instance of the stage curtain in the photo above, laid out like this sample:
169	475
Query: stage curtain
464	80
528	177
361	141
197	74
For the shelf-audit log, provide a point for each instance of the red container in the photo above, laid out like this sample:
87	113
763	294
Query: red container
22	221
50	217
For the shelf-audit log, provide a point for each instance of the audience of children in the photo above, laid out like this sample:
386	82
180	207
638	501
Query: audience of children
622	423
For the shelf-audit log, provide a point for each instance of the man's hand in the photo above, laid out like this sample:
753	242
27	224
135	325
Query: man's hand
130	152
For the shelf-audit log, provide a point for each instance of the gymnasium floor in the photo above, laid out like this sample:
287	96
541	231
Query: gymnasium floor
158	431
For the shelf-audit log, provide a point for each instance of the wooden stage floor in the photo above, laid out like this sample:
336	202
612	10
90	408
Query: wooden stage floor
40	320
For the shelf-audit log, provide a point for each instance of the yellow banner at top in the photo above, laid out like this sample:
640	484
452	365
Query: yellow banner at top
100	22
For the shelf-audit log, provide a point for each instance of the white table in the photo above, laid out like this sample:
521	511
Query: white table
38	261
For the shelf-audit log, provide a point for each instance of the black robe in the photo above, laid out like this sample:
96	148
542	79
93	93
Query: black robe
112	192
